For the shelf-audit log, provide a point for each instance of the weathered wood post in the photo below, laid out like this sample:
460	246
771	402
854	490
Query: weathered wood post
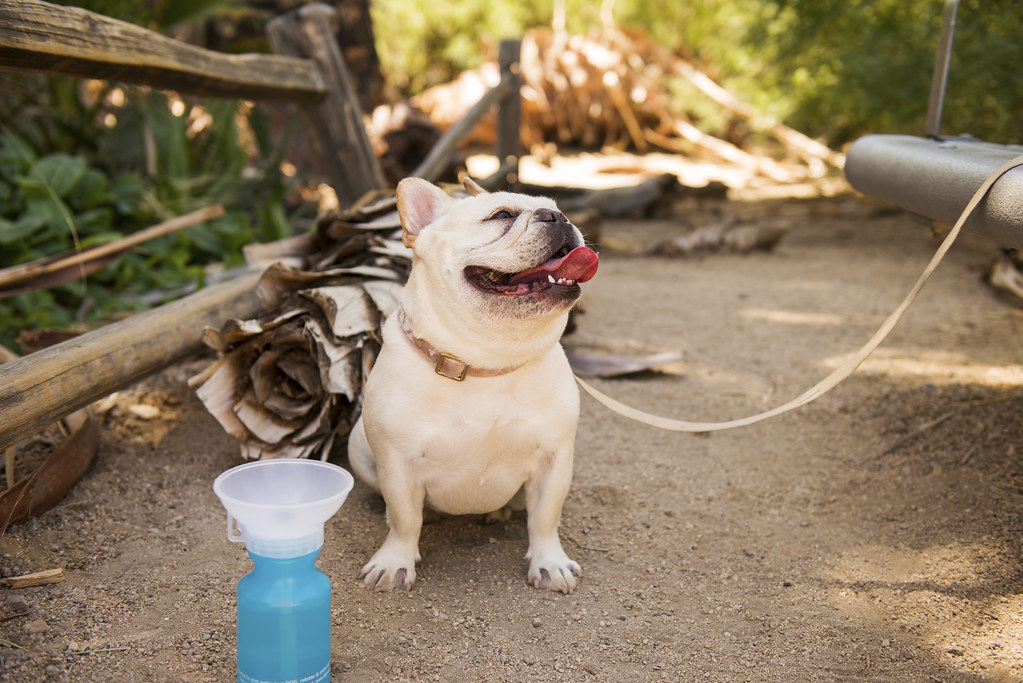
509	113
336	122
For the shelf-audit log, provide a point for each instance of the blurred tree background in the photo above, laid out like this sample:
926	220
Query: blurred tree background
833	69
83	163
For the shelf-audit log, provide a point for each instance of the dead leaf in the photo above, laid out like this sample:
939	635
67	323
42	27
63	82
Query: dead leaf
590	356
61	470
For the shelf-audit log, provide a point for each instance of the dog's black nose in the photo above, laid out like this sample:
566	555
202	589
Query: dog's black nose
549	216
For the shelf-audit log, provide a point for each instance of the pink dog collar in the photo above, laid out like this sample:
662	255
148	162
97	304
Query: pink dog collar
445	364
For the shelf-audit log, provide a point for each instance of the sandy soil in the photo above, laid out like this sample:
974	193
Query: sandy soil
874	535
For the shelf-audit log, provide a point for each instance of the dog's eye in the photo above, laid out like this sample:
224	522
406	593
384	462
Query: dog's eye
502	215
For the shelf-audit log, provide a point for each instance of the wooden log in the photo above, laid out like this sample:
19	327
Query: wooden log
509	113
336	122
358	47
40	37
42	387
721	148
612	85
622	201
805	146
53	271
436	161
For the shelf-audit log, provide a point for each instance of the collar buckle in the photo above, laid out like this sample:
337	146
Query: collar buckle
448	366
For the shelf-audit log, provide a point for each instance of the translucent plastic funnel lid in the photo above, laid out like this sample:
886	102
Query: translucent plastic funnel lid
278	507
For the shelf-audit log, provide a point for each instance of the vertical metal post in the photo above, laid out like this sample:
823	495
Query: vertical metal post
941	61
509	112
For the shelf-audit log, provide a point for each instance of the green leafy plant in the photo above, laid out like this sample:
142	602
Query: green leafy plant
152	165
79	167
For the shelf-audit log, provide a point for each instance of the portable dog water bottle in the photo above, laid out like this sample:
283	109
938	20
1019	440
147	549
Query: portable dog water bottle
278	509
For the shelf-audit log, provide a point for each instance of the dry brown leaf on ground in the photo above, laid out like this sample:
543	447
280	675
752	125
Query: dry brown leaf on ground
592	356
61	470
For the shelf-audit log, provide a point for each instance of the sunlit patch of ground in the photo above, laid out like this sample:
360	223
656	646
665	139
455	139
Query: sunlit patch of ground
938	367
947	599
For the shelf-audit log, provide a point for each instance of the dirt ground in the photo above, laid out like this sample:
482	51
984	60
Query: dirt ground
874	535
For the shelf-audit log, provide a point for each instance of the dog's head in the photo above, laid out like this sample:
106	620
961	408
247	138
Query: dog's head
503	255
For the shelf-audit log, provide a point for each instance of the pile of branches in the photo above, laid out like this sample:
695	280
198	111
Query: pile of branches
611	89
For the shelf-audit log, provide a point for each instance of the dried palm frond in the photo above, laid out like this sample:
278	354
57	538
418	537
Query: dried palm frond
289	382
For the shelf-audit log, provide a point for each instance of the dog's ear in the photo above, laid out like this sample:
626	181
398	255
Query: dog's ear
420	202
472	187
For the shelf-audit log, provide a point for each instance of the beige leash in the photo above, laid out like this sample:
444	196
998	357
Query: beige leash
842	372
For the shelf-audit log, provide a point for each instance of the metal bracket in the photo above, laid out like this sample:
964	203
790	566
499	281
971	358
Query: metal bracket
941	61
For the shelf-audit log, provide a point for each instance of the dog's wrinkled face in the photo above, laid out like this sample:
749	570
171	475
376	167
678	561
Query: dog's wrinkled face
509	255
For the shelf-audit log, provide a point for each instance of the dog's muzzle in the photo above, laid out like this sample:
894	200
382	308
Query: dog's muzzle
567	263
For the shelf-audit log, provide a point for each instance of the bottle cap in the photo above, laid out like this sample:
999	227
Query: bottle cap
278	507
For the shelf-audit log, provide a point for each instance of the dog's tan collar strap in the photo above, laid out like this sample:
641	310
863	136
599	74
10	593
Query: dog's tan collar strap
445	364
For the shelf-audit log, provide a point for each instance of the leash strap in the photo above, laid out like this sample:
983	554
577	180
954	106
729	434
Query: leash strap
843	371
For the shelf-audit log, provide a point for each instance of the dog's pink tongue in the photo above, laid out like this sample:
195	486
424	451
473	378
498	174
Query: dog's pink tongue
579	265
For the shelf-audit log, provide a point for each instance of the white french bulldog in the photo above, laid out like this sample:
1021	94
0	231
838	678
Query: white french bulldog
471	405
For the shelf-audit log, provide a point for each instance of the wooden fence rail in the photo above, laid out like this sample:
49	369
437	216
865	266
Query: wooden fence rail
44	38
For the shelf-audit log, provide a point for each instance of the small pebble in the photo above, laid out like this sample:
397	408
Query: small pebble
37	626
17	603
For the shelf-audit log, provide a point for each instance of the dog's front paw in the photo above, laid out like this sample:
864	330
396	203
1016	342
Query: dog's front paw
557	573
388	571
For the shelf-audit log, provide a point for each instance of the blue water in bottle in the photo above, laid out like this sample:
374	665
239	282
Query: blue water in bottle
284	621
